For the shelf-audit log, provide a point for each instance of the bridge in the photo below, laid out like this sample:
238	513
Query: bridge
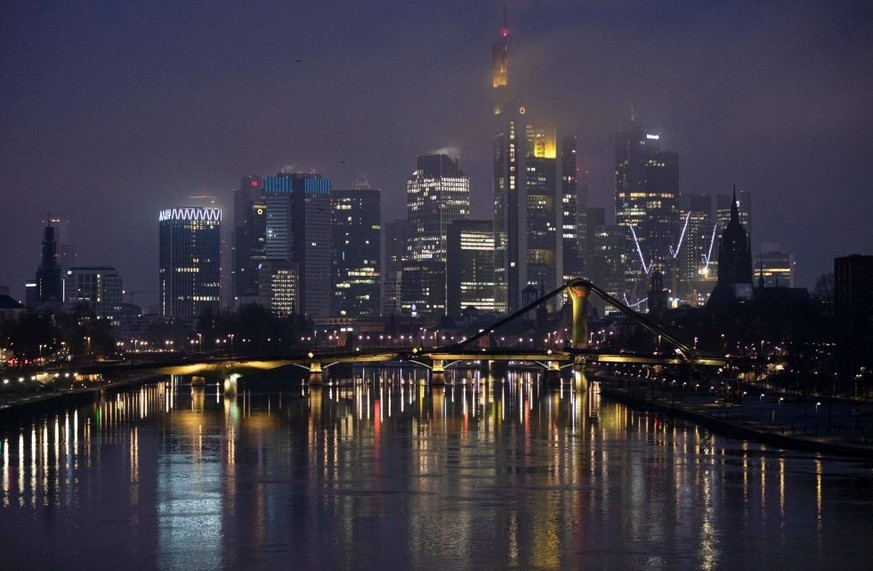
465	353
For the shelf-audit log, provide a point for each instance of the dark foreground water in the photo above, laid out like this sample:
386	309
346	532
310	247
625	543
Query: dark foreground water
481	475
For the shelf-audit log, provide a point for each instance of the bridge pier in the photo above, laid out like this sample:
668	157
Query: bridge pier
316	373
579	377
580	380
230	385
438	373
315	402
498	368
553	375
438	403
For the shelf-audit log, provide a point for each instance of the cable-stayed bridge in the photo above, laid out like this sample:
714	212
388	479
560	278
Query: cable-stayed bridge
478	350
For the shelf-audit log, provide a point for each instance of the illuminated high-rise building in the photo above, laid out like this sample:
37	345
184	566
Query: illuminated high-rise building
470	267
437	194
510	261
697	258
249	239
542	212
278	287
394	249
605	256
98	287
63	237
574	204
189	261
773	267
528	229
646	205
298	230
357	251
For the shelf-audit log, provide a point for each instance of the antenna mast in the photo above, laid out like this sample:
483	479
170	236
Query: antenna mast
505	18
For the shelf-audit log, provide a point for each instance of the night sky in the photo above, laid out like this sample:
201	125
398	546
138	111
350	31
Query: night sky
112	110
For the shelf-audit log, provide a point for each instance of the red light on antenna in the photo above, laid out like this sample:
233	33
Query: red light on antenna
505	32
254	183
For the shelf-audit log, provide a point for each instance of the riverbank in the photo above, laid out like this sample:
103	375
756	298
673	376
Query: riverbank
787	421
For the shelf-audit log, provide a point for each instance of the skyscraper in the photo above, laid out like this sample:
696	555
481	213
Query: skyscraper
853	302
63	238
470	267
510	247
528	205
357	250
697	259
542	212
278	242
189	261
437	194
48	274
773	267
574	204
394	250
646	204
249	238
98	287
278	287
298	230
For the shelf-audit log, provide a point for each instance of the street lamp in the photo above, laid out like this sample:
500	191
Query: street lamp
231	343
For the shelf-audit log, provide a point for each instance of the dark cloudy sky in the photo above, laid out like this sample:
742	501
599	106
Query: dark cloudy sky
112	110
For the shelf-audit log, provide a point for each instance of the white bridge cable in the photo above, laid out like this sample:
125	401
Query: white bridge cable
708	256
630	304
681	237
639	250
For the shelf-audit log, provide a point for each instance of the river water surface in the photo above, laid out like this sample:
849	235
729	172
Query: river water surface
392	474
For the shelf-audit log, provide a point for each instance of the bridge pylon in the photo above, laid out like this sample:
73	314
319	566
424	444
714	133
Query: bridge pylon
579	292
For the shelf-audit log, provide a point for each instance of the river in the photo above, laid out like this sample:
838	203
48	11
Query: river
389	473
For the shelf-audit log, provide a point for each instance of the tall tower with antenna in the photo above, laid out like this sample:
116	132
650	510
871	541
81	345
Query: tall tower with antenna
499	70
527	213
510	262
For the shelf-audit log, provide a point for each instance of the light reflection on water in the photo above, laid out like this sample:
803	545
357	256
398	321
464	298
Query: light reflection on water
483	473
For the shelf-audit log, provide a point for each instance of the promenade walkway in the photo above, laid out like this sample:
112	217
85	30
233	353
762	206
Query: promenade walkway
784	419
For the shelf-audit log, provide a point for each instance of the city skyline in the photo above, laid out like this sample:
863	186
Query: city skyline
116	111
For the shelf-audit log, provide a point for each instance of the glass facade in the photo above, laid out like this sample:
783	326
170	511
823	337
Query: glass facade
189	261
646	207
249	238
470	271
773	267
357	246
298	230
100	288
437	194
